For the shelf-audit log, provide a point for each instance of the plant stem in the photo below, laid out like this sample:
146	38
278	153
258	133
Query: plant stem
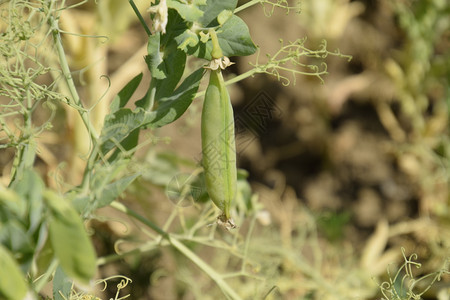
141	19
69	80
243	76
246	5
234	80
182	248
147	247
75	100
205	268
26	150
120	207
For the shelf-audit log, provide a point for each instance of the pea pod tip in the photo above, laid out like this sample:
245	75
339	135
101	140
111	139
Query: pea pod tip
227	223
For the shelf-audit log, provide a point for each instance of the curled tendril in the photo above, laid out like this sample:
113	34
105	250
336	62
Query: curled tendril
408	282
117	245
295	58
103	38
22	67
124	281
385	287
269	6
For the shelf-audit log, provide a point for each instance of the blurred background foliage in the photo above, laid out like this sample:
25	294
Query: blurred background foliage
348	171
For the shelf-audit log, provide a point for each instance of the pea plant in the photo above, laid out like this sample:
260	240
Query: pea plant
42	226
405	285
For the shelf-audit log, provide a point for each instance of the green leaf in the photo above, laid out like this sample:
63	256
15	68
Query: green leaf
21	217
188	39
45	257
104	187
147	101
12	282
234	40
162	55
174	61
244	194
128	143
224	16
69	240
113	190
175	26
13	234
154	57
122	122
122	98
79	200
165	61
213	8
11	203
189	12
118	126
26	154
62	285
30	188
171	108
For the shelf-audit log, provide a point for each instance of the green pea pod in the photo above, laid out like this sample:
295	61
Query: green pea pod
218	145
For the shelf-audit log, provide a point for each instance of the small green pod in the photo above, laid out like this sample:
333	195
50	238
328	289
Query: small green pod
218	144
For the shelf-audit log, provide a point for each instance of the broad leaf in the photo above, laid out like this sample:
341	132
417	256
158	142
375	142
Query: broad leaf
233	34
113	190
104	187
45	256
174	61
128	143
69	239
171	108
224	16
155	57
122	98
11	204
234	40
188	11
187	40
175	26
21	216
212	9
79	201
119	125
124	121
62	285
12	281
30	189
13	235
164	60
